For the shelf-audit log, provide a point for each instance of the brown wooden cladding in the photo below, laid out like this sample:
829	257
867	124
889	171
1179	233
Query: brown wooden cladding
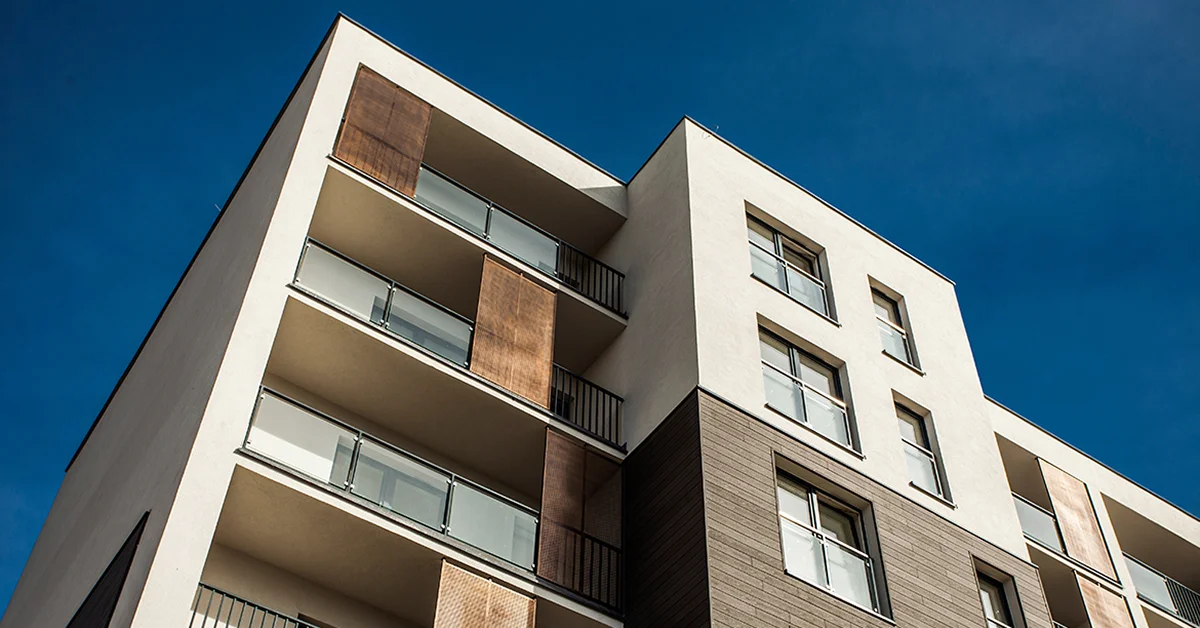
579	542
514	333
1076	519
384	131
466	600
1105	609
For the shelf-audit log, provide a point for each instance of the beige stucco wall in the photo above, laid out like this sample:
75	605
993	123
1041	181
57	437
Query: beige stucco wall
284	593
653	362
729	302
134	460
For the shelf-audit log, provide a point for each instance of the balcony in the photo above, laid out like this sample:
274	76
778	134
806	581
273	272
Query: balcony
347	459
516	236
214	608
381	302
1163	592
1038	524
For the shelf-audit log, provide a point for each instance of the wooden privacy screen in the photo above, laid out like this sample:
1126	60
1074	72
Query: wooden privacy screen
579	542
1105	609
383	132
466	600
1076	519
514	333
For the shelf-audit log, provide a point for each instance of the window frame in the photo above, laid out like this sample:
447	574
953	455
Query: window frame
815	499
793	374
928	449
783	244
900	325
1005	603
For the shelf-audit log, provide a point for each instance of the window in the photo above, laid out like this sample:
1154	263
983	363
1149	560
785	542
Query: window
918	450
786	266
823	543
996	609
891	327
803	388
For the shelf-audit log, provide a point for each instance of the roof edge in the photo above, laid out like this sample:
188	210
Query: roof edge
1090	457
818	198
485	101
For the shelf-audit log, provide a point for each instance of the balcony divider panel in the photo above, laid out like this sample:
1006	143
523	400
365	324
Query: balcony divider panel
580	542
1105	609
466	600
384	131
514	333
1076	519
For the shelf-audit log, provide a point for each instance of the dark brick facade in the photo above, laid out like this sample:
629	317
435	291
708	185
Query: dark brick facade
735	569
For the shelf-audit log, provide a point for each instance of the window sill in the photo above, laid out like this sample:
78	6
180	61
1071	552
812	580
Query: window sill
941	499
806	306
873	613
906	364
844	447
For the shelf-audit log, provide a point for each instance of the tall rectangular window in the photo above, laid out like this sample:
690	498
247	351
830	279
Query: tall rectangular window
803	388
891	327
919	452
824	543
997	610
786	266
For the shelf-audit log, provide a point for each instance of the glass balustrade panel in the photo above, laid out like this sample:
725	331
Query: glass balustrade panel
523	242
826	417
493	525
783	394
343	283
1038	525
805	290
767	267
430	327
1150	585
452	202
849	575
803	554
894	342
401	484
301	440
922	469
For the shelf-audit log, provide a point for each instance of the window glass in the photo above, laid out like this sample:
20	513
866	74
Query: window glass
775	351
838	525
817	375
995	607
761	235
911	428
800	260
886	308
793	502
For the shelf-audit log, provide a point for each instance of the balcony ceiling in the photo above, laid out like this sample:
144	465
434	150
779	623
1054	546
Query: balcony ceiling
495	172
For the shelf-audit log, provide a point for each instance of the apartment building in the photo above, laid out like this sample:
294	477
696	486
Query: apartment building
431	369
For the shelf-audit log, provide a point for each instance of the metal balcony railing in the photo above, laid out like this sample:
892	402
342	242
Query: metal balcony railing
1163	592
587	565
1038	524
214	608
586	405
315	444
361	292
512	234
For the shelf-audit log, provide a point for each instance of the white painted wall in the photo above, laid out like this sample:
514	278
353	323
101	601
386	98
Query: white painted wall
729	303
653	362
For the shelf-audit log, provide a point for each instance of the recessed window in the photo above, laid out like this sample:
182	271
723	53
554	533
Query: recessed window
996	608
923	467
804	388
787	266
824	543
891	328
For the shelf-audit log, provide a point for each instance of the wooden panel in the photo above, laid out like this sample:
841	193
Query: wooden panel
514	333
562	505
1105	609
466	600
384	131
1076	519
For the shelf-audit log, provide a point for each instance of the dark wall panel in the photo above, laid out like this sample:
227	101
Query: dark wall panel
98	607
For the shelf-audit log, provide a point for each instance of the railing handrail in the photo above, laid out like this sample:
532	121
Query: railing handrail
450	475
588	382
583	534
393	284
237	599
1039	508
928	452
510	213
788	264
824	536
841	404
894	326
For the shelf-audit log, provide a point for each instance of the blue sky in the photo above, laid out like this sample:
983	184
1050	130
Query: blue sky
1045	157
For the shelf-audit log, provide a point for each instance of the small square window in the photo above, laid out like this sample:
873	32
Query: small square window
924	465
787	266
804	388
892	331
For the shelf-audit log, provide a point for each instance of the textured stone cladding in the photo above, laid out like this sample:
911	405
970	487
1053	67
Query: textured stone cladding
928	561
